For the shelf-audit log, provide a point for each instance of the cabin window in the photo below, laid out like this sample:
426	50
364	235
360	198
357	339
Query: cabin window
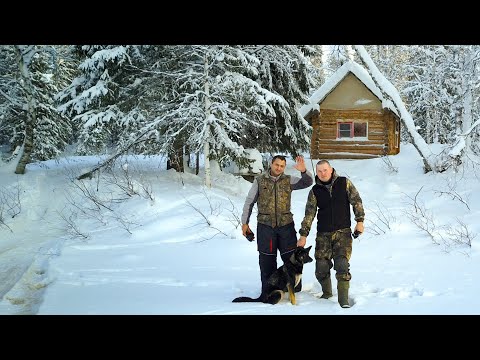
352	130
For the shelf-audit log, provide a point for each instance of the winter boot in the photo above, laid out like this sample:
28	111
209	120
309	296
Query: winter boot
326	288
342	287
268	264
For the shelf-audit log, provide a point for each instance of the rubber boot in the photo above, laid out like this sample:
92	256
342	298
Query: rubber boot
342	287
326	288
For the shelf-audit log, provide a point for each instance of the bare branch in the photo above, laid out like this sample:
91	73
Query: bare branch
414	201
10	204
198	211
460	234
422	218
71	227
388	164
235	218
381	220
454	195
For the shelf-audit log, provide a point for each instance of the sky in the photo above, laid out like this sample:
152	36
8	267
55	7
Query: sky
177	248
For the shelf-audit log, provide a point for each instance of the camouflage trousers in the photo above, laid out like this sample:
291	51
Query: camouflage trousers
336	246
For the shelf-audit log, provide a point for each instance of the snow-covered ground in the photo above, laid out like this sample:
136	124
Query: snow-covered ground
155	253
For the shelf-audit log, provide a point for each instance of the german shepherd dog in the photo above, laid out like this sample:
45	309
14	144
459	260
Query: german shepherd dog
284	279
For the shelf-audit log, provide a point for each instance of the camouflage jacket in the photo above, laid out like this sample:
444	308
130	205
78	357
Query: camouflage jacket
332	205
273	198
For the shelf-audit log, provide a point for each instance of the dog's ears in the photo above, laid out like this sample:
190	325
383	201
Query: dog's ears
308	248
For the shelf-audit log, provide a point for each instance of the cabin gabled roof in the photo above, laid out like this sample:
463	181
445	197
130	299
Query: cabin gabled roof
337	77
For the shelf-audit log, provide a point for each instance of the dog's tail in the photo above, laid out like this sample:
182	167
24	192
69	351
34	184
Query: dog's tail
273	298
247	299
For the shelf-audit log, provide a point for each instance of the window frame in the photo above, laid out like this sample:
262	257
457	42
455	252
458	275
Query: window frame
352	130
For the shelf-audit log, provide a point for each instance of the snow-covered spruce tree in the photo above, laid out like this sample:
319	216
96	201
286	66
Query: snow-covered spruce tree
52	131
468	128
443	94
29	114
318	70
465	143
167	97
285	71
98	100
391	60
201	98
12	114
336	57
65	71
210	101
37	94
431	91
147	87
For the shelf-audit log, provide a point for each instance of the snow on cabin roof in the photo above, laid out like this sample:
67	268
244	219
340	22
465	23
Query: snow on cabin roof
349	67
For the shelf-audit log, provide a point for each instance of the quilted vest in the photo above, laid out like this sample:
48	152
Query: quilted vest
333	206
274	200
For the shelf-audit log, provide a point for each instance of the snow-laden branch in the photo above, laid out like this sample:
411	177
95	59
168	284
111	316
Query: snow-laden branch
466	133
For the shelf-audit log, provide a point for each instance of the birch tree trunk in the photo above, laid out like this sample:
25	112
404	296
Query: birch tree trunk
467	79
463	141
24	57
206	144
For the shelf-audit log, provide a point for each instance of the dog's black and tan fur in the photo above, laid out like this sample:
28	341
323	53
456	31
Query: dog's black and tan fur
284	279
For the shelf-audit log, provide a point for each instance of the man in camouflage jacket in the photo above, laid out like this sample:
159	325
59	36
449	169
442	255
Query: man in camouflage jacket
330	199
272	192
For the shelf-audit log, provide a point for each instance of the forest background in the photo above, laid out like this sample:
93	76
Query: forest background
182	101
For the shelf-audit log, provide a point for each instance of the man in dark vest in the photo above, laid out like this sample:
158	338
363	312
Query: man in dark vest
272	192
330	198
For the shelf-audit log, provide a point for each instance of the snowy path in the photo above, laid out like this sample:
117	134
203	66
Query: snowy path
26	244
22	272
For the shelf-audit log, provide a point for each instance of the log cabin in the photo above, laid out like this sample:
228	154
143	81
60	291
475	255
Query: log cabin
350	119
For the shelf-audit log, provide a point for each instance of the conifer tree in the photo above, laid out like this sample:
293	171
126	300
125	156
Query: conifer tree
286	71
